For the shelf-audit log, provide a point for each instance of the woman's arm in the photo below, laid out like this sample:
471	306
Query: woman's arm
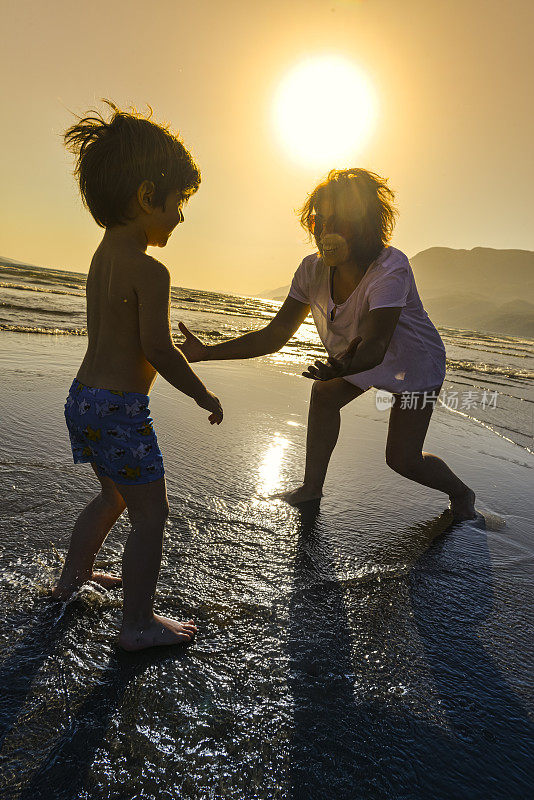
257	343
365	352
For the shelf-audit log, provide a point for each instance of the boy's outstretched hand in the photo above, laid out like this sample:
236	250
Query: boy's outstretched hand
212	404
333	367
192	347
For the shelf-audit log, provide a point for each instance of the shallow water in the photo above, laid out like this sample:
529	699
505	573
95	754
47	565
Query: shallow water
397	669
41	301
363	651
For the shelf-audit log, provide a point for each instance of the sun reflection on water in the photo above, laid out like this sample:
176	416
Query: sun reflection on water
269	471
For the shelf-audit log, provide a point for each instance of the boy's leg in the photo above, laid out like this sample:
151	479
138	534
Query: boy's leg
148	510
324	419
88	535
404	454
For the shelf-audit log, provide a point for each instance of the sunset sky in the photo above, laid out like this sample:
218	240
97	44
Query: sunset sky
453	128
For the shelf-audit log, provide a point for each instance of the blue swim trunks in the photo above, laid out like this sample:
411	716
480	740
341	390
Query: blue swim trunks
114	430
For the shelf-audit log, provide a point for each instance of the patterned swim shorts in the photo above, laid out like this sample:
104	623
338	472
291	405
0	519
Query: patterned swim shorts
114	430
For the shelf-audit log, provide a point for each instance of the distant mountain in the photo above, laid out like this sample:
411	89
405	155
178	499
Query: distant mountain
498	275
479	289
475	312
274	294
6	261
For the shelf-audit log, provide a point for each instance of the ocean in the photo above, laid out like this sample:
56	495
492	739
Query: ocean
490	377
363	650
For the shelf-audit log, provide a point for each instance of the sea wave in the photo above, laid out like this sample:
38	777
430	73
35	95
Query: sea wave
483	337
6	326
512	348
23	287
489	369
229	311
295	346
40	273
511	352
39	309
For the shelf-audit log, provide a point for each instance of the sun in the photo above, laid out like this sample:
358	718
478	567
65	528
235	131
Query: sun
325	111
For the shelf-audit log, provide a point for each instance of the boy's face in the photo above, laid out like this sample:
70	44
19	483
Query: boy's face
162	221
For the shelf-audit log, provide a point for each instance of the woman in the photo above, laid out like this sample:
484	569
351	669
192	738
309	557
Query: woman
369	316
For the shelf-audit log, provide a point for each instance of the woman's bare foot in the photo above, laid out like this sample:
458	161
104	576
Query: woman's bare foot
463	506
303	494
65	590
106	581
159	631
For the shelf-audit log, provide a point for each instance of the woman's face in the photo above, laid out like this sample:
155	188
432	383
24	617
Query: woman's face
332	234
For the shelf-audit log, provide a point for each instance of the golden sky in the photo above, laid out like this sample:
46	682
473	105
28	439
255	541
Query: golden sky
454	128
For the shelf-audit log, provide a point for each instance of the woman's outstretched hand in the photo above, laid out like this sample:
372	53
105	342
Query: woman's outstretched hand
192	347
333	367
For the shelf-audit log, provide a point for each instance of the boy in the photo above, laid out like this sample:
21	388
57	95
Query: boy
134	178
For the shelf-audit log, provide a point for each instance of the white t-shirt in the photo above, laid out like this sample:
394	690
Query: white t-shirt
415	358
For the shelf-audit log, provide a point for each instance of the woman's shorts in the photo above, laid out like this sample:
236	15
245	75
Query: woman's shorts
114	430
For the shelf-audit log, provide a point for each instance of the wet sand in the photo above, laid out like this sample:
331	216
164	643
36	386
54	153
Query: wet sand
362	651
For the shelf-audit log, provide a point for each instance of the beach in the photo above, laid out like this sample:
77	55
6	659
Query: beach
348	182
364	650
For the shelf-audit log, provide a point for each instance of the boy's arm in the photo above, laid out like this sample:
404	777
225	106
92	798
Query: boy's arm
153	289
257	343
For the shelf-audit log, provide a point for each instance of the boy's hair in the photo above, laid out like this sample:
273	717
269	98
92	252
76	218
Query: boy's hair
365	200
114	157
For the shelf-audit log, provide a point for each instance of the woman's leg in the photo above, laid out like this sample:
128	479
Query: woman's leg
404	454
90	530
324	418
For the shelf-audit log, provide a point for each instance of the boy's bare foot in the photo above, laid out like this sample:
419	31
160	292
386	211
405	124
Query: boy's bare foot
63	590
463	506
303	494
159	631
